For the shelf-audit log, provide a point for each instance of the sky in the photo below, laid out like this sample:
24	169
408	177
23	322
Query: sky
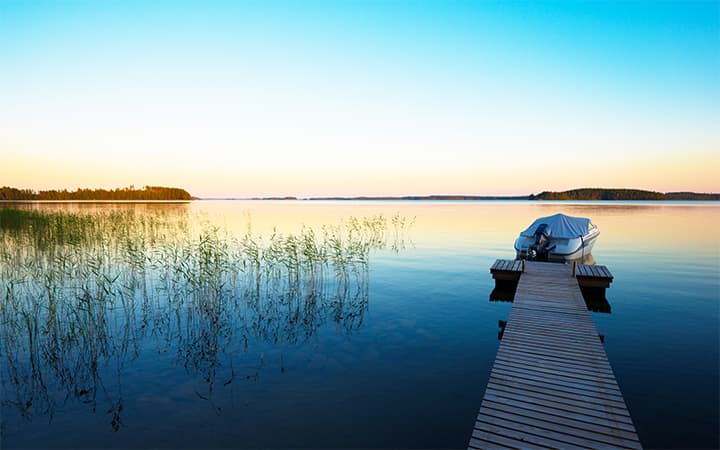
312	98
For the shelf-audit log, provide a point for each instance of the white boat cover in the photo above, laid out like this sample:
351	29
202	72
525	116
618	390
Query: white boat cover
561	226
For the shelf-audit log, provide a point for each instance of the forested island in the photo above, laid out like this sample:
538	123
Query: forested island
128	193
620	194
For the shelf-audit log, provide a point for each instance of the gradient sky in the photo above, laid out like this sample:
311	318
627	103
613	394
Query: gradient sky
360	98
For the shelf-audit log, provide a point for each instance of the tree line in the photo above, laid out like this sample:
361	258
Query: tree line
621	194
128	193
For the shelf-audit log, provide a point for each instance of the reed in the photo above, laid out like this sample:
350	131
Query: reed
82	292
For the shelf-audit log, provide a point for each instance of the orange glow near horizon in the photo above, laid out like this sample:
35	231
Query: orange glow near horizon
215	179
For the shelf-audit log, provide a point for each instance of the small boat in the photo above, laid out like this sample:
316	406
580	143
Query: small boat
557	238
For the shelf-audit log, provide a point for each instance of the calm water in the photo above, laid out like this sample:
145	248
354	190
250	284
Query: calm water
397	357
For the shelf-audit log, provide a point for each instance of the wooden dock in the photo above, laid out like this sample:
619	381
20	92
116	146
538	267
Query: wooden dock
593	276
551	385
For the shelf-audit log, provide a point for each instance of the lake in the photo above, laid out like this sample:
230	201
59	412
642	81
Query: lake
197	325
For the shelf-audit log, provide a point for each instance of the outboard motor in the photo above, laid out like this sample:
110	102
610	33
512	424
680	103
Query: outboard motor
538	251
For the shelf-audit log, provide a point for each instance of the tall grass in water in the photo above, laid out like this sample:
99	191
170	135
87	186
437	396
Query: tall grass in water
82	293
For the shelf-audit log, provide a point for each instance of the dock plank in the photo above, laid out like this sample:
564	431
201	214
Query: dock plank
594	436
551	385
575	408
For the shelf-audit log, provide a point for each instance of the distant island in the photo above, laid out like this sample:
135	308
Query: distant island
620	194
176	194
129	193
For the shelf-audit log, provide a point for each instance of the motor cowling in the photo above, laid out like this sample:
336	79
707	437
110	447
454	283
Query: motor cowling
539	249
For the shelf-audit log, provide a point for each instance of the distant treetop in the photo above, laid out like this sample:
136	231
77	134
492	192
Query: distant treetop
129	193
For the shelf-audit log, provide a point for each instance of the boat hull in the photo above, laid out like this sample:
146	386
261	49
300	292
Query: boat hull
564	249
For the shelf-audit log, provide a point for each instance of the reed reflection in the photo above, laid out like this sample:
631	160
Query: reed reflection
85	294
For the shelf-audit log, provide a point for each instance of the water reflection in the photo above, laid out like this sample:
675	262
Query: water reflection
85	293
504	291
595	300
423	330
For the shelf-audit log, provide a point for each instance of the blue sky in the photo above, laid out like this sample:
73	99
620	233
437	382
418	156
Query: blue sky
314	98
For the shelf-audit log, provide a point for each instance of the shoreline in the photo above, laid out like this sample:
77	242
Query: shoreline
367	199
